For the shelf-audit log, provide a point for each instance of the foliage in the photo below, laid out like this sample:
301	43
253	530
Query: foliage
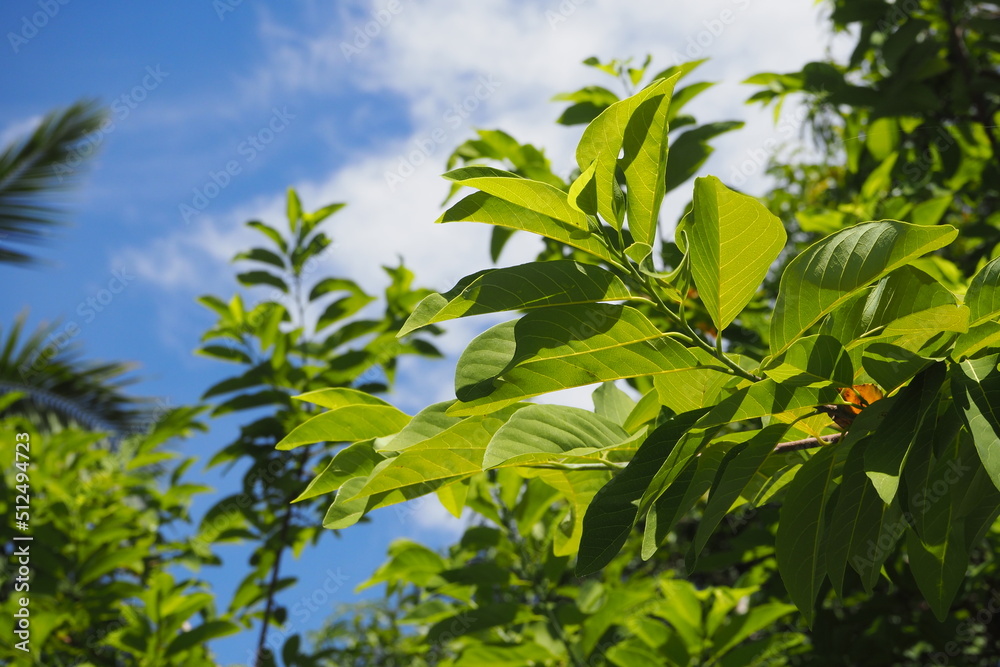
304	336
502	595
105	590
690	142
908	126
35	167
57	388
866	415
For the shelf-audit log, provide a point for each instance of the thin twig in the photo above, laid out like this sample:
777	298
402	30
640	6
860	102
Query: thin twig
272	587
808	443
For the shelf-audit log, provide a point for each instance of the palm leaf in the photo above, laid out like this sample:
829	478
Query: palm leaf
59	389
34	168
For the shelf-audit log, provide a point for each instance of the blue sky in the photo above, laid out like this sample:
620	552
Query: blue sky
191	84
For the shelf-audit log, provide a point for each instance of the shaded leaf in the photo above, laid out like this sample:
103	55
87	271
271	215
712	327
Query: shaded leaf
532	285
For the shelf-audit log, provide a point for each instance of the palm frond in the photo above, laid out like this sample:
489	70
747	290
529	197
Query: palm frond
60	389
34	168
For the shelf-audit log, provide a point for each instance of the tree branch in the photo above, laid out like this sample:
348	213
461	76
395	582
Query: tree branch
808	443
272	587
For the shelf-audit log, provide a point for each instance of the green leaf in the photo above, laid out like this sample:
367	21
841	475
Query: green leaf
342	308
682	96
485	208
109	558
976	387
905	291
542	433
338	397
532	285
694	388
495	653
800	545
931	211
347	508
897	432
200	635
684	612
914	332
612	403
764	398
741	627
269	232
498	239
856	522
583	192
532	195
473	620
645	411
455	452
830	271
454	495
259	399
613	512
891	366
353	416
293	209
635	127
761	652
590	101
328	285
740	465
310	220
813	360
425	424
979	337
558	348
578	488
409	563
689	151
632	653
733	240
357	460
225	353
253	278
758	400
938	556
983	297
261	255
692	483
879	180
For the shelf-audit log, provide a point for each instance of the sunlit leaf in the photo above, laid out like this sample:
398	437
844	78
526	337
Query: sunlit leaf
733	240
830	271
531	195
635	127
558	348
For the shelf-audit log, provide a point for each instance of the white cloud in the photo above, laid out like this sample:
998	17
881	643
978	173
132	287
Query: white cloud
432	57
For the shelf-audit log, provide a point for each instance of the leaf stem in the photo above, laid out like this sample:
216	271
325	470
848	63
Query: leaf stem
679	319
